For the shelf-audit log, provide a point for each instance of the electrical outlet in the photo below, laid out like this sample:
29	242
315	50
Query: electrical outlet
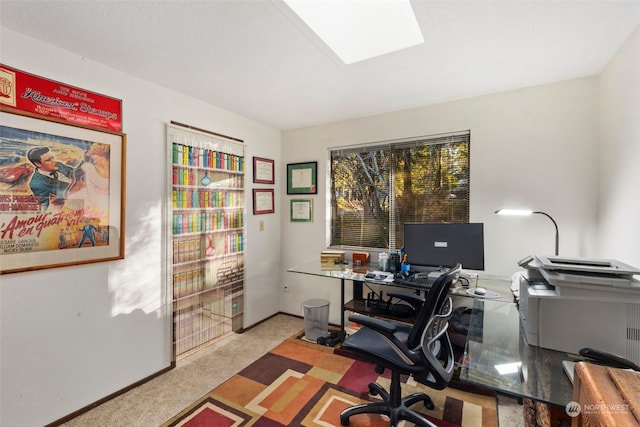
261	225
286	288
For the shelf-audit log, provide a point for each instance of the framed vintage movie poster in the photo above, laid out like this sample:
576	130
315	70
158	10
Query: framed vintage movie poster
61	193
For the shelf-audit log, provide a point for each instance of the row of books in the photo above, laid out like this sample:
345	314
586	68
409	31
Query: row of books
195	177
198	222
188	282
186	198
202	157
194	281
186	250
198	329
234	243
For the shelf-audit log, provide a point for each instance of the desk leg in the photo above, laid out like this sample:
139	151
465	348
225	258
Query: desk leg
342	305
357	290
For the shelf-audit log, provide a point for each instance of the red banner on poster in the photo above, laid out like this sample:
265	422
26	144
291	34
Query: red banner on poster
48	98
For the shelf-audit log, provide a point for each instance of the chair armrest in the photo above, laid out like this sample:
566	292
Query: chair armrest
374	323
416	301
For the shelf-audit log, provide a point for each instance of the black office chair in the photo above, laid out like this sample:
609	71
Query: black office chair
422	350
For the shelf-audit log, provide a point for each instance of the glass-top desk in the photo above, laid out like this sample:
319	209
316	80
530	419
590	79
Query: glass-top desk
497	356
343	272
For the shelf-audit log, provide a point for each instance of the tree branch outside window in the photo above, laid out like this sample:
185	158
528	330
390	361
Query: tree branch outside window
376	189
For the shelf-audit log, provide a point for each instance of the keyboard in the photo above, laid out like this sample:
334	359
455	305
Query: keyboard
379	277
422	282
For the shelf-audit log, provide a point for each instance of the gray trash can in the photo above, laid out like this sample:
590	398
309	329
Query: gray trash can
316	318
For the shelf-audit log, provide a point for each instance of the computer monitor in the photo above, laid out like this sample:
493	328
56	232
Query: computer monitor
444	245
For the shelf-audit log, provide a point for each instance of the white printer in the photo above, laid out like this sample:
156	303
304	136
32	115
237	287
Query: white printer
570	303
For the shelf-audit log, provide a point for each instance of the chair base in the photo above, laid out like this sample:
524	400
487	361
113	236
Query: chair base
393	405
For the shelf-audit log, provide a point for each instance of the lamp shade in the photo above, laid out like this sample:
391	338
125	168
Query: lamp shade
525	212
521	212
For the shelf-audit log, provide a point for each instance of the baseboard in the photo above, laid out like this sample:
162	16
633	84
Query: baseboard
265	319
109	397
274	315
130	387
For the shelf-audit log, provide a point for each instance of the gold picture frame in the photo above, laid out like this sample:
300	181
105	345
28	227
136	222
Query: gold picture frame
62	193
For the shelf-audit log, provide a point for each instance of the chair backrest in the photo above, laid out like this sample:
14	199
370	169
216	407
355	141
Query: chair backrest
433	303
437	326
436	349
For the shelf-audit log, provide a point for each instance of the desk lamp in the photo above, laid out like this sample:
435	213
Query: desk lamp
524	212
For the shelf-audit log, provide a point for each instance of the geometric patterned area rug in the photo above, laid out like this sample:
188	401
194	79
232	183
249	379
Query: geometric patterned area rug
305	384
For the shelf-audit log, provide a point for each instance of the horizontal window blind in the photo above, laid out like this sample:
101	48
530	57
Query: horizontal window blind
377	188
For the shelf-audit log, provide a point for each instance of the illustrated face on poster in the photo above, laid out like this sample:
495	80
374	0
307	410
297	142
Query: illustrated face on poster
54	192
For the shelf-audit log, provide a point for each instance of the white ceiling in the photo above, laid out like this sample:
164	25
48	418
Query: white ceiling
258	60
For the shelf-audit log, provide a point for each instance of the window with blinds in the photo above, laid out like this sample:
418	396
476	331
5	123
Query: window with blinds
375	189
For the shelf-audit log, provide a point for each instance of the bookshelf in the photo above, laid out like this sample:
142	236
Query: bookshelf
205	224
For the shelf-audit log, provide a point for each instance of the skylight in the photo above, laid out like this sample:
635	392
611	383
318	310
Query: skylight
360	29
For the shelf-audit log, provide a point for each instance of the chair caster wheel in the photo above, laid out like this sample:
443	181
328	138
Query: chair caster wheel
344	421
373	391
429	404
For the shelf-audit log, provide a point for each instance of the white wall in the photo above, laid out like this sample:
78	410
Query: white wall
530	148
71	336
619	204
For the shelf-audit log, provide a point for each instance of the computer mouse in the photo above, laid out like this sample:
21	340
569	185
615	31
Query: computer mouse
480	291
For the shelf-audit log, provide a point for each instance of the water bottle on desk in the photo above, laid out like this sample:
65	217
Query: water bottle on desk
394	262
383	261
